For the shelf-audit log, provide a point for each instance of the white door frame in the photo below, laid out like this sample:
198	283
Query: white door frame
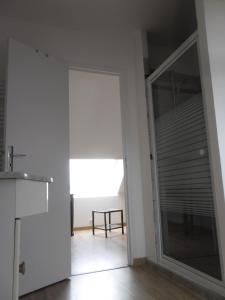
165	261
111	71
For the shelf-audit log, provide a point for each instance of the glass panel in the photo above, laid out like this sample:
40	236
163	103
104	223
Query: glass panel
185	190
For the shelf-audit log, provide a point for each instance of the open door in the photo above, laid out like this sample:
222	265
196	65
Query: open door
37	125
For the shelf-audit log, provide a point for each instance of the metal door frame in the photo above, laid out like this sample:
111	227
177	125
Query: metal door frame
162	259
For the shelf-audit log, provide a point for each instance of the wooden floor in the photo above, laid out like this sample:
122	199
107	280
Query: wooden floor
140	283
96	253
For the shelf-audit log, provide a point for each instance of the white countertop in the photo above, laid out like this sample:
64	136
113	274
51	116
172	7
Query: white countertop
25	176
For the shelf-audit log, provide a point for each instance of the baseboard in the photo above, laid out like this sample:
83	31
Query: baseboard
139	261
88	227
82	228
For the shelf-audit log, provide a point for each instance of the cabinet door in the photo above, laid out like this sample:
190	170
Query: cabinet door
37	124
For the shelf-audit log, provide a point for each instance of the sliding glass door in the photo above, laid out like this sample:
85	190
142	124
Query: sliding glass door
184	184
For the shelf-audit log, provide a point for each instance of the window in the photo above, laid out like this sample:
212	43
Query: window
91	178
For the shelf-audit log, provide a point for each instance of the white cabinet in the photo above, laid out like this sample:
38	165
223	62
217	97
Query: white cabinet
21	195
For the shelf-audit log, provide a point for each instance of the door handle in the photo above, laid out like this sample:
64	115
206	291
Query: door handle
10	158
19	155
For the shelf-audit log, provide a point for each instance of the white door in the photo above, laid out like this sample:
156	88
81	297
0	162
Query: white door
37	124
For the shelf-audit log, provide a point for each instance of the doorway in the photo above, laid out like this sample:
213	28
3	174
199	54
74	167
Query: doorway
97	184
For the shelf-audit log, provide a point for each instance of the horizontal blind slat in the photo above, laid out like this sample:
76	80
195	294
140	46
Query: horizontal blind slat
183	163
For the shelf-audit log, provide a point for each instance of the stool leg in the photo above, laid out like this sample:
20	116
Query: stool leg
110	221
105	225
122	221
93	223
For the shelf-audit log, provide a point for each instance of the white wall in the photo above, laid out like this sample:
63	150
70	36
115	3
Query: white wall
146	175
83	209
95	116
109	51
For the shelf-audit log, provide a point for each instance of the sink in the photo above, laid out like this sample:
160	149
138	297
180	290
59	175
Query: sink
31	192
31	197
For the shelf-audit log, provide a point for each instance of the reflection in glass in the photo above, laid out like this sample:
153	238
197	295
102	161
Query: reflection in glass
185	190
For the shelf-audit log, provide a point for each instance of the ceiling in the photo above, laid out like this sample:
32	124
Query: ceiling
157	16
